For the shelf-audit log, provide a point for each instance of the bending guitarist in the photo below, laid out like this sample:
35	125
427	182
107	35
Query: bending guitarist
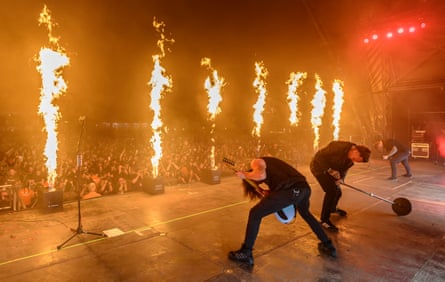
285	186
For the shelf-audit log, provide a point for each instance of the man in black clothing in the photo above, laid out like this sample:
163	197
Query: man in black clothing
395	152
281	185
329	166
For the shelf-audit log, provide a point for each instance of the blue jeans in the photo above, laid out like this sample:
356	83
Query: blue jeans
298	196
401	157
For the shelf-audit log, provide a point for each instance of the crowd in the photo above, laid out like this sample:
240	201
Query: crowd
103	165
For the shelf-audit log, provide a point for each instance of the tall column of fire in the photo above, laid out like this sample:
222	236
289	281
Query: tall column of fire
260	88
160	82
318	104
337	88
213	85
295	81
51	61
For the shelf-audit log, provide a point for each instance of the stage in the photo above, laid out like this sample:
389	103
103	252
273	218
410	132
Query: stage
185	234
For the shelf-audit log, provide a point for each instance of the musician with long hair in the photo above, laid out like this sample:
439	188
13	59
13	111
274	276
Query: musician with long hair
277	185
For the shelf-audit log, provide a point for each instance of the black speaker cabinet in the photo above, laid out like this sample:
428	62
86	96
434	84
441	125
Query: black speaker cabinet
211	176
51	201
153	186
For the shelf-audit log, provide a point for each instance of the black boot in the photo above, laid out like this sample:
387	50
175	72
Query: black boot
341	212
242	255
327	248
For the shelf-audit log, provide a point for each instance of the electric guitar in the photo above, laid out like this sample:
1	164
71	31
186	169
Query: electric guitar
261	192
285	215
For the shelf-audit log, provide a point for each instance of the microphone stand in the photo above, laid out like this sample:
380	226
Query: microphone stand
79	229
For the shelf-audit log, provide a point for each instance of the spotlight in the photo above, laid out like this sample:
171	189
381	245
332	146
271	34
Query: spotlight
400	30
389	35
375	36
412	29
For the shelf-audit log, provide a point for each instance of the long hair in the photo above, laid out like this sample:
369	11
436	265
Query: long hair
250	191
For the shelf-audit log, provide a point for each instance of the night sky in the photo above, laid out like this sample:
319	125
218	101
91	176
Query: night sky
111	43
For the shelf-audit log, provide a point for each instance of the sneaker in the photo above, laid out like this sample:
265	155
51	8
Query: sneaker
341	212
407	175
329	226
242	255
392	178
327	248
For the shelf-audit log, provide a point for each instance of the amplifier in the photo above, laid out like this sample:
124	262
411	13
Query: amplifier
420	150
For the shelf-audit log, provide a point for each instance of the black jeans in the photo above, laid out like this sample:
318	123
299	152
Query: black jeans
400	158
331	197
298	195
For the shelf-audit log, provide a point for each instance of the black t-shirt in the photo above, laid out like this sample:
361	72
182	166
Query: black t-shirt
389	143
334	156
280	175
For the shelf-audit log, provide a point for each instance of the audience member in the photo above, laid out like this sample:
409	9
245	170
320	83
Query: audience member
91	192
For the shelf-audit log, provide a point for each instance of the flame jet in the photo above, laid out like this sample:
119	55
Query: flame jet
51	62
318	103
260	88
294	82
160	83
213	86
337	88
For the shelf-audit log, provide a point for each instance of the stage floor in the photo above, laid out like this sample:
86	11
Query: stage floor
185	234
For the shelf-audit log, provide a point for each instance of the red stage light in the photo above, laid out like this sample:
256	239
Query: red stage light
399	31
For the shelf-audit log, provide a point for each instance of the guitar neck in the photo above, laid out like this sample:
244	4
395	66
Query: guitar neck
252	183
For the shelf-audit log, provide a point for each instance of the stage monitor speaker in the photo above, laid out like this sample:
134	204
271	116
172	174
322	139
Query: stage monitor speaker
211	176
153	186
51	201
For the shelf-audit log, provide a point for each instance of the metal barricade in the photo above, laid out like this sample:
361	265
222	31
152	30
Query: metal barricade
6	197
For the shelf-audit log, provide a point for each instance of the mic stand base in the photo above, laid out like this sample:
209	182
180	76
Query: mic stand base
79	230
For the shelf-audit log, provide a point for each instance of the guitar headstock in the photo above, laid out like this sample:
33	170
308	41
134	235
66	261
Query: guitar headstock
228	161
